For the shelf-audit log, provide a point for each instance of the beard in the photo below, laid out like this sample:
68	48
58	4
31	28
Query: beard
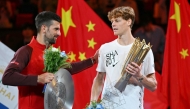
49	40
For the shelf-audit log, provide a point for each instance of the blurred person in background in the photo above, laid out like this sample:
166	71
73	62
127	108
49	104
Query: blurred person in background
47	5
160	13
5	14
28	31
131	3
155	35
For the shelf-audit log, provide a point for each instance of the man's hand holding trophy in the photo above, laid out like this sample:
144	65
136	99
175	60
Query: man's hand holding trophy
136	54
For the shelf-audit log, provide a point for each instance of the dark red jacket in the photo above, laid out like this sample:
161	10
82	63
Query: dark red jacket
23	70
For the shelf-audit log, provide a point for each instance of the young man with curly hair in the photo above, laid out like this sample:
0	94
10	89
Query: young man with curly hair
111	60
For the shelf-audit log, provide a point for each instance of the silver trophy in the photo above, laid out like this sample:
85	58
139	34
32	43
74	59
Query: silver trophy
59	94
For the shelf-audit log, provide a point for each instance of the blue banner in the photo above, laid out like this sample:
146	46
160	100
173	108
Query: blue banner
3	106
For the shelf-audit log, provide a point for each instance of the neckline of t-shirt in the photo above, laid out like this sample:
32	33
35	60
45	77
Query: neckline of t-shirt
123	45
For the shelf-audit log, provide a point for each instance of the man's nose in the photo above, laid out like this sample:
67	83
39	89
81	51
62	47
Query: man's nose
113	24
59	32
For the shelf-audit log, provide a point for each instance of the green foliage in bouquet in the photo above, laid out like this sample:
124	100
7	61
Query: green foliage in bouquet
95	105
55	59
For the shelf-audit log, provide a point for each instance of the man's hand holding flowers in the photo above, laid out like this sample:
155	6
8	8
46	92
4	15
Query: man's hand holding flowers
54	59
45	78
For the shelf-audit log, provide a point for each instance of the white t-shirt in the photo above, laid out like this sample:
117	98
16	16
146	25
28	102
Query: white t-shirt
111	60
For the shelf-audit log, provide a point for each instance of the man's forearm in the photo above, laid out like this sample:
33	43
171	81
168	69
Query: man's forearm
96	90
77	67
148	82
13	78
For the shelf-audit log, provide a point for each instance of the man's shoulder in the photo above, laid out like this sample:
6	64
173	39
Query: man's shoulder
107	46
25	49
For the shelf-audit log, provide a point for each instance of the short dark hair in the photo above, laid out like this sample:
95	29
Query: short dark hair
46	18
126	12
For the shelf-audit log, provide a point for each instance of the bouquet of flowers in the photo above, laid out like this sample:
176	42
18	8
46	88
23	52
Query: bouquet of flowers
54	59
95	105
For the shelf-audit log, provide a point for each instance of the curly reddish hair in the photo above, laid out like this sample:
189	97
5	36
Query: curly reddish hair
125	12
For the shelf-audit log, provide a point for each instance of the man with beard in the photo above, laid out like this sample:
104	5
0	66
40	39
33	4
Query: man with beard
26	68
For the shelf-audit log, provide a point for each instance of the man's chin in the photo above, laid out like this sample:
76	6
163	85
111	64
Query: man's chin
115	34
52	42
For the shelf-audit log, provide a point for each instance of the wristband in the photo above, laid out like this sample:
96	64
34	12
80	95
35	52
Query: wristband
141	78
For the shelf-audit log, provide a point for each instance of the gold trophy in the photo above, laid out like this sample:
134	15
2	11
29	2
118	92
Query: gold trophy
136	54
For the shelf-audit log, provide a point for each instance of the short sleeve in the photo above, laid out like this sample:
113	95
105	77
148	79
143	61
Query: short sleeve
101	59
148	63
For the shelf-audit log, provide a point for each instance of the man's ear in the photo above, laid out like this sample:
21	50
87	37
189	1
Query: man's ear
129	22
43	28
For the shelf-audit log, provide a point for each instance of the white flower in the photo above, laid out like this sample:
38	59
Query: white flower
55	59
63	54
54	49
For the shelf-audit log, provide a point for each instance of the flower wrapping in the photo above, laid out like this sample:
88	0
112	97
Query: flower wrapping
54	59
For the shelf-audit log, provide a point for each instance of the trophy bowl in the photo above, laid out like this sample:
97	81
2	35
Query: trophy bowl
59	93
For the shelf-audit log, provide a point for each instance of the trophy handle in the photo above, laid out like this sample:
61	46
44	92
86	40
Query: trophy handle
123	81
